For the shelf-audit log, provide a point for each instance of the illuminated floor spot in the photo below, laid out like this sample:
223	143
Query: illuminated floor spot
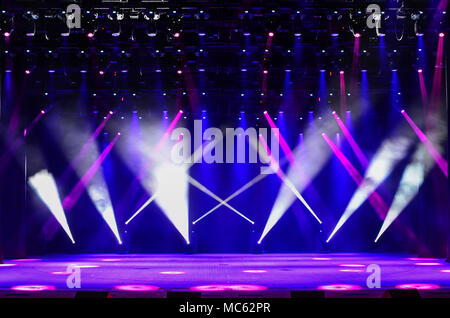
136	287
255	271
417	286
339	287
352	265
33	287
228	287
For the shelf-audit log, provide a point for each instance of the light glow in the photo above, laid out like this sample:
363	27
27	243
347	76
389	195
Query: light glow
418	286
44	185
136	287
33	288
389	154
219	287
339	287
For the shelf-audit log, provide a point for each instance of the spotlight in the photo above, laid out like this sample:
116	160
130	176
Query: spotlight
44	185
6	34
265	71
271	34
419	70
176	35
179	72
90	35
441	34
341	72
357	35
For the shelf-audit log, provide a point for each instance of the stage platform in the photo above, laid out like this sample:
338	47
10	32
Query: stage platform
224	275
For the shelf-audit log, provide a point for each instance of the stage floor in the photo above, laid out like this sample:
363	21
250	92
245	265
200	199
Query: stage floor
255	275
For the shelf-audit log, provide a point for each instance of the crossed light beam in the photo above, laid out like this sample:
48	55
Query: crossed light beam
98	192
287	182
141	172
195	183
300	180
70	200
252	182
380	207
94	184
415	173
375	200
388	155
275	165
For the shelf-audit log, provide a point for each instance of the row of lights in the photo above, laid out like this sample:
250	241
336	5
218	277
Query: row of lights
270	34
204	93
242	113
180	72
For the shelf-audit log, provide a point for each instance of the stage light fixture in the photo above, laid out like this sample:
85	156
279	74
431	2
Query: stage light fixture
417	18
6	25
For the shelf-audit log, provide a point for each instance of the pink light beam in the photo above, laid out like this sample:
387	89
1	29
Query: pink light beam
358	152
438	158
76	160
375	200
70	200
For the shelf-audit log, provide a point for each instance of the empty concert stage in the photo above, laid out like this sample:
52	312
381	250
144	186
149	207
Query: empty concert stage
218	275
